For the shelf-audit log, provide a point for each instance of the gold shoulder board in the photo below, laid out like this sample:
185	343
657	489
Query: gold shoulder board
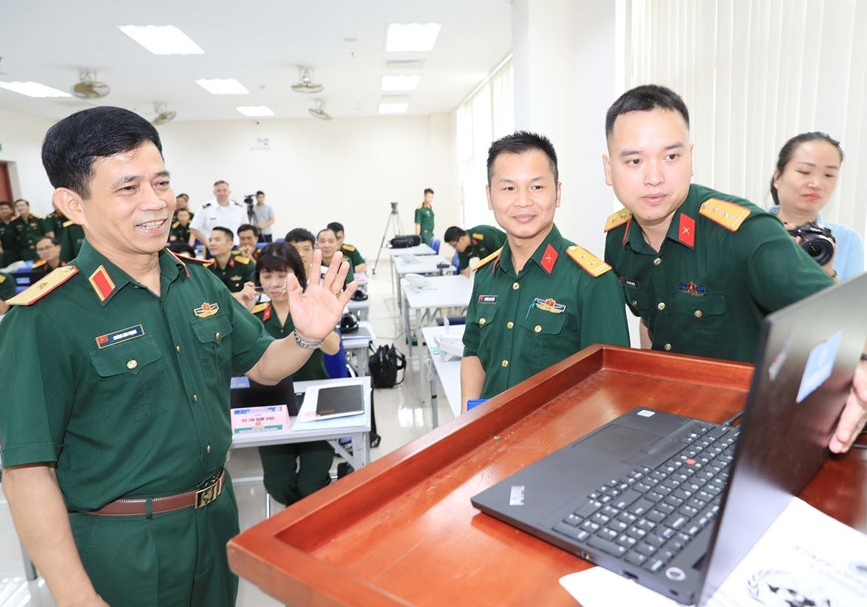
40	289
348	247
260	307
617	218
728	214
66	224
242	259
587	260
488	259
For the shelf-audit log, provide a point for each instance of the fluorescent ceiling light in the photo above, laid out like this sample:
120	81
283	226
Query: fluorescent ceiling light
255	110
396	82
162	39
33	89
393	108
411	37
225	86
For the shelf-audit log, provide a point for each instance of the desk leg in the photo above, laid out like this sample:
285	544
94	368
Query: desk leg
408	328
431	369
360	450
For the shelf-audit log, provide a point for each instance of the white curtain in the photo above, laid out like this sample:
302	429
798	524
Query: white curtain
754	73
485	115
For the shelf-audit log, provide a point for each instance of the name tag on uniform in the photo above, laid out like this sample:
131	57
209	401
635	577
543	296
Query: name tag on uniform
487	299
110	339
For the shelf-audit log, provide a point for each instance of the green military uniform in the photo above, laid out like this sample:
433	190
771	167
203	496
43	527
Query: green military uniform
424	216
46	269
175	215
28	232
724	265
54	222
484	240
350	275
238	270
352	255
7	286
564	299
128	393
70	240
179	232
9	242
294	471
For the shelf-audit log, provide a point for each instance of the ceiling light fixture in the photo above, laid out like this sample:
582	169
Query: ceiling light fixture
400	82
306	84
411	37
32	89
162	39
223	86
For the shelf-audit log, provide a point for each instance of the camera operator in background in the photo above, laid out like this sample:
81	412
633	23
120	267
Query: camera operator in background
263	217
803	183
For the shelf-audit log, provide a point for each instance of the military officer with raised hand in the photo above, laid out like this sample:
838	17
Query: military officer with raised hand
540	298
113	463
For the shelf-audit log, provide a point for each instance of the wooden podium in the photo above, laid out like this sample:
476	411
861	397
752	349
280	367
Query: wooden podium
402	531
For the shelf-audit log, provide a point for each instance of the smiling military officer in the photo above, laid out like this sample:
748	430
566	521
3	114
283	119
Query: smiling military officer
114	461
540	298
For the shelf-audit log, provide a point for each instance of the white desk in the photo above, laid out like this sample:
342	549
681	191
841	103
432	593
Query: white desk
445	367
360	308
358	343
421	249
414	264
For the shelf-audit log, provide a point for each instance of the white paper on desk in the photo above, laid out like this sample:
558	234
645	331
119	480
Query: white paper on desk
805	558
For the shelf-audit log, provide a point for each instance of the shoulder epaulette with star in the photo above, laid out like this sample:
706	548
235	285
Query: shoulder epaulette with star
617	218
478	236
34	216
176	224
206	205
185	258
587	260
729	215
488	259
348	247
242	259
43	287
2	278
261	307
66	224
39	263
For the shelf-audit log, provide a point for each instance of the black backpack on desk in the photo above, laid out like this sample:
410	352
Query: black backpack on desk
384	364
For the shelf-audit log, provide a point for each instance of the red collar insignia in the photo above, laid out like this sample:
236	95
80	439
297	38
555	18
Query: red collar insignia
686	230
102	283
549	259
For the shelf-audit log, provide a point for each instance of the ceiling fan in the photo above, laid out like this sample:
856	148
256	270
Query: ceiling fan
318	110
163	114
305	83
89	87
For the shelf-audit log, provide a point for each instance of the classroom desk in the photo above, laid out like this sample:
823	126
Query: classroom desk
440	292
448	371
402	531
361	309
419	250
425	265
358	342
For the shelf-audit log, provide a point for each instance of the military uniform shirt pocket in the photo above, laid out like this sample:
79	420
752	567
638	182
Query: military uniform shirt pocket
215	348
637	300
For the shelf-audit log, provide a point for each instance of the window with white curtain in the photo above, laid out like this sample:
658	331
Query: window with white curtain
486	114
754	73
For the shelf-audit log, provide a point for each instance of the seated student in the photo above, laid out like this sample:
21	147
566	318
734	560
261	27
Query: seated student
7	291
480	242
180	231
326	241
248	236
48	249
350	253
803	183
304	242
70	240
296	470
8	238
234	270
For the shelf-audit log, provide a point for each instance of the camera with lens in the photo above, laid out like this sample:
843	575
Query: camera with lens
817	241
248	200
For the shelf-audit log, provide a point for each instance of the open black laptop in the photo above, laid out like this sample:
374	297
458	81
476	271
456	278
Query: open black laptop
247	393
711	494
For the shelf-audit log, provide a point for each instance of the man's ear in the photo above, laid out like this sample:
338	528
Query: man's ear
69	203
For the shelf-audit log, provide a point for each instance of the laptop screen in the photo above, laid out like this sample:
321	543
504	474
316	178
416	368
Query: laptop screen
247	393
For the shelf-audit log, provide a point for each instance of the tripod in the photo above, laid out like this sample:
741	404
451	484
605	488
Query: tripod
396	226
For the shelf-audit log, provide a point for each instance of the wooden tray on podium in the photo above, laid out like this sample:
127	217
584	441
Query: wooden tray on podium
402	531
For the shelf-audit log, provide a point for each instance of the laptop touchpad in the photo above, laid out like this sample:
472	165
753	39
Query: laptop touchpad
618	441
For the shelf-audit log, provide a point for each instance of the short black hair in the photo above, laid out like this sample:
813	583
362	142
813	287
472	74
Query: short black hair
788	150
300	235
225	231
53	240
27	202
520	142
181	248
645	98
453	234
319	233
72	145
428	191
220	182
260	193
6	203
281	257
335	226
247	226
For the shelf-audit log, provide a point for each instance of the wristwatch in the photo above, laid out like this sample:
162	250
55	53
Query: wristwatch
306	344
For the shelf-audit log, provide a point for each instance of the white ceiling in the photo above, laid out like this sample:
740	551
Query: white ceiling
261	43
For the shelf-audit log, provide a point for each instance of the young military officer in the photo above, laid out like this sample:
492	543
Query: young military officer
48	249
53	224
28	229
113	465
70	240
699	267
7	291
8	239
540	298
234	270
248	237
424	217
479	242
180	231
350	252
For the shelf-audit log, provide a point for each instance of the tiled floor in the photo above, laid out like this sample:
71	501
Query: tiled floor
400	418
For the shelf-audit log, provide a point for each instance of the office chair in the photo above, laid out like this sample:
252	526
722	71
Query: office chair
435	244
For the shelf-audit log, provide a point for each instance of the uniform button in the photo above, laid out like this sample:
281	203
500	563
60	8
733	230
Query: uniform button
178	347
195	398
132	364
208	449
515	286
482	321
660	305
634	302
667	347
505	363
657	261
217	336
537	329
510	325
697	313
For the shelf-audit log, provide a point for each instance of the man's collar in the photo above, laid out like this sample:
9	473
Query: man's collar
553	239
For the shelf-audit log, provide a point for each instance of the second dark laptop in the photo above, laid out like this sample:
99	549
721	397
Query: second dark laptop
247	393
675	503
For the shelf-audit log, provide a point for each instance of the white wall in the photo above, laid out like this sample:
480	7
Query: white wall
21	140
345	170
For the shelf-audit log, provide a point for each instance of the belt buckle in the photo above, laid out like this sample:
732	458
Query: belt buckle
208	494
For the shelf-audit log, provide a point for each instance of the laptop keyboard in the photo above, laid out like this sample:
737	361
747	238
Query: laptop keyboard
649	516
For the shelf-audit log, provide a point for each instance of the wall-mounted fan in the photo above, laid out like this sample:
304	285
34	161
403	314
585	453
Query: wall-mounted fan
306	83
163	114
318	110
89	87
